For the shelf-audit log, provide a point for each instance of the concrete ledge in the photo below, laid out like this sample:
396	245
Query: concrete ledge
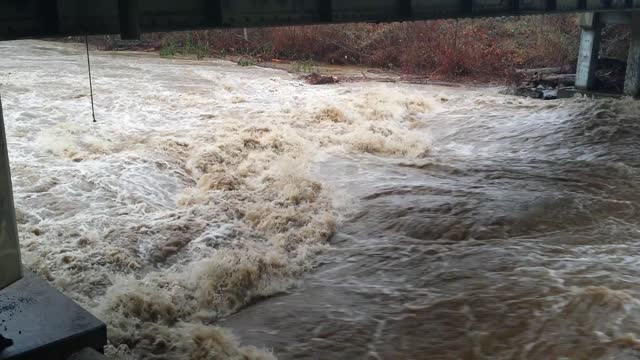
44	324
588	20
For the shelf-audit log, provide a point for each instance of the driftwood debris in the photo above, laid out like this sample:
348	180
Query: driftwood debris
544	71
317	79
543	83
547	77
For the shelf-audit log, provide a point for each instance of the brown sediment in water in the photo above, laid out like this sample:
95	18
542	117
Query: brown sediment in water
468	225
185	223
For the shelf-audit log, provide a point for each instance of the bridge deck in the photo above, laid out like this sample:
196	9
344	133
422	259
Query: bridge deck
50	18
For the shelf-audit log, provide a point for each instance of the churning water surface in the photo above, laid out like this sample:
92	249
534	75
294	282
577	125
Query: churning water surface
352	221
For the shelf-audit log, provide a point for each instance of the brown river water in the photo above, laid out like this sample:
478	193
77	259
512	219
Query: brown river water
225	212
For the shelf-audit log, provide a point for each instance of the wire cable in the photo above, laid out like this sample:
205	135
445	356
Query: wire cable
93	108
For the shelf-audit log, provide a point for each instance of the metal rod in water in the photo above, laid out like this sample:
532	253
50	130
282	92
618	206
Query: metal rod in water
93	110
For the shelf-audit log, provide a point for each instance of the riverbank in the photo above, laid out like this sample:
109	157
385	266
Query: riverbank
477	49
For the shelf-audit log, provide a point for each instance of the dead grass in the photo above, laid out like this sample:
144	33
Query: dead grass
483	49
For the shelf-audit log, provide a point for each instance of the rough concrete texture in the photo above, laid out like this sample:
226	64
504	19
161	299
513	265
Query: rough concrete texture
10	264
76	17
45	324
588	55
632	81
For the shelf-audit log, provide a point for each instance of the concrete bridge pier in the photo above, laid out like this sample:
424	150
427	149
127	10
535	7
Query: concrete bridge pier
10	264
632	80
589	50
592	24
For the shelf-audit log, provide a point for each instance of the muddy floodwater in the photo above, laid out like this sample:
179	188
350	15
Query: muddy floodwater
224	212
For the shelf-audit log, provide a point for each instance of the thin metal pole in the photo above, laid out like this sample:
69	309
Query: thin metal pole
93	109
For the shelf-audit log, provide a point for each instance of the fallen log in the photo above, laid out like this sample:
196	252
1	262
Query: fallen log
560	78
555	80
544	71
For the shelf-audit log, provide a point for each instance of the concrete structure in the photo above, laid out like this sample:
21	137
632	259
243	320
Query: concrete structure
38	18
10	265
589	50
632	83
45	324
130	18
592	24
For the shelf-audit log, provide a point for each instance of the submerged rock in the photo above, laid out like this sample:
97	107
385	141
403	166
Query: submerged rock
550	94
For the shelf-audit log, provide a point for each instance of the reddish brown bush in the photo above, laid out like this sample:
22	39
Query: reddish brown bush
480	48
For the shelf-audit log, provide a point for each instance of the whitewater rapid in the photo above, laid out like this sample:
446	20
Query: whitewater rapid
359	220
190	197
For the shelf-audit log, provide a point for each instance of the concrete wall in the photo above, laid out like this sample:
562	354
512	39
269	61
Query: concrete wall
632	82
38	18
10	264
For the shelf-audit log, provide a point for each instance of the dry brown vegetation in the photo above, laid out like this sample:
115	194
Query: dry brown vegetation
479	48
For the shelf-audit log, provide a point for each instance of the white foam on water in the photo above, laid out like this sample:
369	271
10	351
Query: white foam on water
192	195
